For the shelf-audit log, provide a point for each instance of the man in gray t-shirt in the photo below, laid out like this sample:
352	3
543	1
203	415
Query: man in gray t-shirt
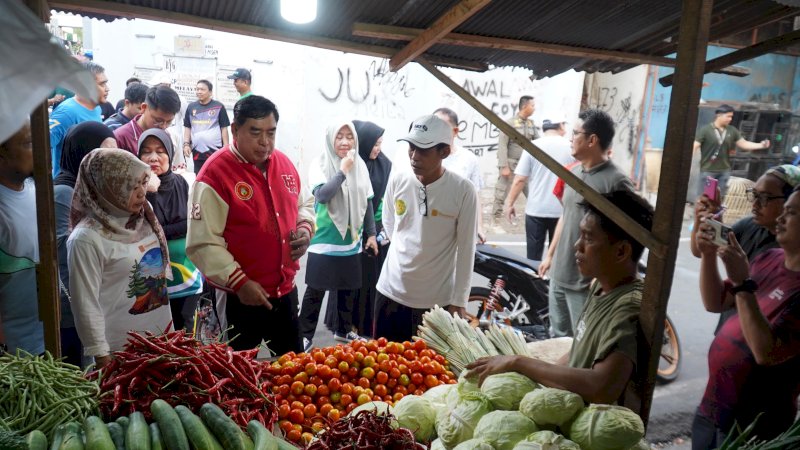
591	140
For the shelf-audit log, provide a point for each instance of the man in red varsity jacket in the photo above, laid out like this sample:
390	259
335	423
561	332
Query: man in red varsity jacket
250	222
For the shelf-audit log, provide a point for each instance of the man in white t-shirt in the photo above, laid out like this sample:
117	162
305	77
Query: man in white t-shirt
542	209
463	162
429	215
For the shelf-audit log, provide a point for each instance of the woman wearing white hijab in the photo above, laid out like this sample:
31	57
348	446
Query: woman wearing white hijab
344	217
117	252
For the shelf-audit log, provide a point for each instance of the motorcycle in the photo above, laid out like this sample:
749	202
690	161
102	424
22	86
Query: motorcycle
522	296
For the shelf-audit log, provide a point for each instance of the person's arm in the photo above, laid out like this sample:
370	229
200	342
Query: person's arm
744	144
502	152
712	288
388	208
224	132
544	266
324	193
465	253
603	383
516	187
696	147
369	221
704	208
175	230
224	123
85	279
187	141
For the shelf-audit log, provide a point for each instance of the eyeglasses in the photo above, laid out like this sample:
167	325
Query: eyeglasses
762	199
422	196
574	132
159	121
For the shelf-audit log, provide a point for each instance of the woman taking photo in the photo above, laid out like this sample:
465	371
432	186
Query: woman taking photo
342	189
118	258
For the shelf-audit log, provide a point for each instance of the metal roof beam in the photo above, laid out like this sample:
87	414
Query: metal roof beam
128	11
762	48
457	15
467	40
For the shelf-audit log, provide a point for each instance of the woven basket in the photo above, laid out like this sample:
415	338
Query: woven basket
736	199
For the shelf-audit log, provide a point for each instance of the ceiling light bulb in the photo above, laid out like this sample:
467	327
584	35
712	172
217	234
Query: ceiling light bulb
299	11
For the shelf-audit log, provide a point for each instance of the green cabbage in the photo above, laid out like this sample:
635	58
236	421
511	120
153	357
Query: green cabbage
417	414
548	406
438	395
503	429
474	444
546	440
606	427
467	383
505	390
641	445
457	424
437	445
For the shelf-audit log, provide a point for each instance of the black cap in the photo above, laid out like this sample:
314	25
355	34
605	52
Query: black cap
240	73
550	125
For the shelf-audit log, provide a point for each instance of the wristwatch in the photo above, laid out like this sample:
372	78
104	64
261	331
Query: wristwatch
748	285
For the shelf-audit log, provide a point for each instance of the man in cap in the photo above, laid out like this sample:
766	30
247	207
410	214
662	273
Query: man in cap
430	217
716	141
542	209
241	81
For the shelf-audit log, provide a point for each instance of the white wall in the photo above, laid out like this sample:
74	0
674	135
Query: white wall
313	87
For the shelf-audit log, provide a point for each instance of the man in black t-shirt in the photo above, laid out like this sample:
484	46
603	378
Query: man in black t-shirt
205	126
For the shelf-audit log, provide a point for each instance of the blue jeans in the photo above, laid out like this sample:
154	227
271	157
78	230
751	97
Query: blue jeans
565	307
722	182
537	229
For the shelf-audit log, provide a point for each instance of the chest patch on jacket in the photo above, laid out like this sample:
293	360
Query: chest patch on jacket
243	190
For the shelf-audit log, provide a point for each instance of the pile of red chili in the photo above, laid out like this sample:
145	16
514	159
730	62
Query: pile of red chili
365	430
182	371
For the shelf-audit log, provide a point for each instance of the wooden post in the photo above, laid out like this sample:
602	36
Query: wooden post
47	269
677	159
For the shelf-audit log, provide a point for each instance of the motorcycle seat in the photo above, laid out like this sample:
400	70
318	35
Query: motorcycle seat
501	253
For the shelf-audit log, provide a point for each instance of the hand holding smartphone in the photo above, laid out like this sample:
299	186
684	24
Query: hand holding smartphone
710	190
720	232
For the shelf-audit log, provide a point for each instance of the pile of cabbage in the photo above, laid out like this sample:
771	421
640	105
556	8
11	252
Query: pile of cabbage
511	412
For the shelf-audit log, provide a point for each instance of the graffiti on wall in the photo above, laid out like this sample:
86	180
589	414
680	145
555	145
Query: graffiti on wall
375	91
620	106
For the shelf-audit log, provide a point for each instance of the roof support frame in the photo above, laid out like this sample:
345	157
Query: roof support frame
454	17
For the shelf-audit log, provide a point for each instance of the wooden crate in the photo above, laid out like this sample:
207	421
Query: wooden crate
736	199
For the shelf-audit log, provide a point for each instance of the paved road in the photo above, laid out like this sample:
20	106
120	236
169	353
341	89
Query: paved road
673	404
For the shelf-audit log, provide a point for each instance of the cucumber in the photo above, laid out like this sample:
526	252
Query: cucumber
97	435
117	435
36	440
224	428
196	431
123	422
169	423
262	438
72	437
155	437
58	436
137	436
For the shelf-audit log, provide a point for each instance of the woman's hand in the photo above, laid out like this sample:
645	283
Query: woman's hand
371	246
347	162
735	260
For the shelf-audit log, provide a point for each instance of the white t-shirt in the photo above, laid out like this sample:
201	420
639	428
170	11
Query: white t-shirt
541	201
464	163
418	271
114	287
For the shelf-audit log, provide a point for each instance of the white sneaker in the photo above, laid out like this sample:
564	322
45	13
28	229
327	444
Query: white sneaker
307	343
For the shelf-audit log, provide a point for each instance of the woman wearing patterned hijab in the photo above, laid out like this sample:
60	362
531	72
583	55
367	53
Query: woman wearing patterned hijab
117	252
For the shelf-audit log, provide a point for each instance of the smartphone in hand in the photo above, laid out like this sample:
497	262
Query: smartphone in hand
710	190
720	232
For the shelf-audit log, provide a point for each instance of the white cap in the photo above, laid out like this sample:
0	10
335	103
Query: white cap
428	131
160	78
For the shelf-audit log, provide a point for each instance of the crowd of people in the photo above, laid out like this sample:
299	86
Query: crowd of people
140	240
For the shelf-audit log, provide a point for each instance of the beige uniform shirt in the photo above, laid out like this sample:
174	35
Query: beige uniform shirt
510	150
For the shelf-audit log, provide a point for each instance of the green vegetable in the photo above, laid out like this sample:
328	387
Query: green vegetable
457	424
416	414
641	445
40	393
72	437
97	435
546	440
505	390
196	431
224	428
58	437
117	435
606	427
124	421
169	423
503	429
12	441
137	436
155	437
474	444
548	406
437	445
438	396
467	383
262	438
36	440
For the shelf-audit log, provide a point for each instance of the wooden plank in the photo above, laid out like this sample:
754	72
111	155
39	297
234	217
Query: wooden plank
681	124
457	15
747	53
616	214
408	34
128	11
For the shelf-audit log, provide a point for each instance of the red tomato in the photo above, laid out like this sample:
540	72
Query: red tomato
323	400
372	345
283	411
397	396
349	358
395	372
411	388
323	371
285	426
417	378
426	354
294	435
334	384
297	387
363	398
310	390
331	362
369	361
323	390
325	409
306	399
381	390
319	357
311	368
391	383
347	388
368	373
284	390
297	416
420	345
343	366
310	410
301	376
334	415
382	357
363	382
431	381
419	392
346	399
382	341
404	380
381	377
335	373
336	397
437	368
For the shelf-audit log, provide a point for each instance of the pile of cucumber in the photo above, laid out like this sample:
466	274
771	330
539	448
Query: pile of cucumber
173	429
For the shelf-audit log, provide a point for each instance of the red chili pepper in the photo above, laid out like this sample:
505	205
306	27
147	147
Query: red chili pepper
117	398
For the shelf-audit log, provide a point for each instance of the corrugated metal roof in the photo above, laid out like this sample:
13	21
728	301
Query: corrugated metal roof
637	26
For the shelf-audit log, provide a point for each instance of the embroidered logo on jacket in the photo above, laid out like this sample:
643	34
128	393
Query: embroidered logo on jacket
290	183
243	190
400	207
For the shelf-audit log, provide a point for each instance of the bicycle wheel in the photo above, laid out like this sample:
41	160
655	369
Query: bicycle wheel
670	362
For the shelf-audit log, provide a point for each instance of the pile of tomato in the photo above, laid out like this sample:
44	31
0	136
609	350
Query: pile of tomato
325	384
